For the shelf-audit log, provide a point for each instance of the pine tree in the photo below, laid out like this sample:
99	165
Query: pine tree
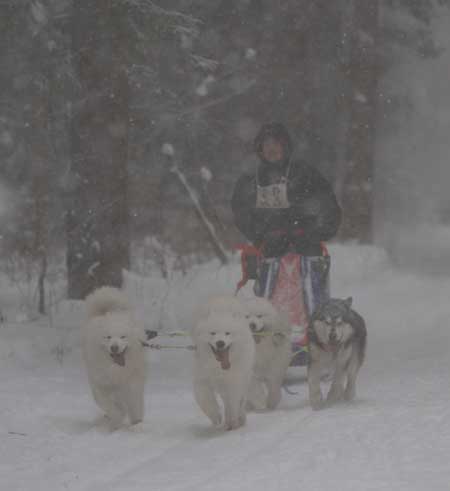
359	106
97	217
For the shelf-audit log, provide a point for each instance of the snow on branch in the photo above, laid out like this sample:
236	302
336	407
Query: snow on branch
206	174
150	7
169	151
220	100
204	63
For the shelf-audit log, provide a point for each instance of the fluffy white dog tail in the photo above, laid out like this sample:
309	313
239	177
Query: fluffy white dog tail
105	300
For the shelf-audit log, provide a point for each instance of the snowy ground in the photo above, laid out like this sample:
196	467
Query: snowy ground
395	436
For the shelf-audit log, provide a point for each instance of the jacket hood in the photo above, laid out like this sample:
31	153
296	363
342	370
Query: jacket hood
278	132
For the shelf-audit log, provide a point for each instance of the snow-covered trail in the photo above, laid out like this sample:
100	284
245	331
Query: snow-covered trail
395	436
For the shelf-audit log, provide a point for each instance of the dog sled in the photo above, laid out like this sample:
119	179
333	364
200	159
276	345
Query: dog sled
294	284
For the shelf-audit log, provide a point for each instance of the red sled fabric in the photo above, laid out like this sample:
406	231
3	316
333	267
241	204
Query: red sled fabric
288	296
296	285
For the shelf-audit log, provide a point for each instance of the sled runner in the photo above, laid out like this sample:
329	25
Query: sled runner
294	284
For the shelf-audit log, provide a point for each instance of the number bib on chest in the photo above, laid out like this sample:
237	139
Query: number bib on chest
273	196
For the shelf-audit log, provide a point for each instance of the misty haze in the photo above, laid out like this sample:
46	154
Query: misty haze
189	156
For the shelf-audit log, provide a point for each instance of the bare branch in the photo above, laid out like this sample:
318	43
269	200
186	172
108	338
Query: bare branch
150	7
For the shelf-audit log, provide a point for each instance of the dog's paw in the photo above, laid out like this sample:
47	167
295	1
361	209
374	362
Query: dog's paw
136	427
256	409
317	404
115	420
114	425
135	421
349	395
335	395
233	425
273	399
256	405
216	419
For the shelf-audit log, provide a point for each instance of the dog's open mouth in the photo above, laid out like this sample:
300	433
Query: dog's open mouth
333	345
222	356
258	336
118	358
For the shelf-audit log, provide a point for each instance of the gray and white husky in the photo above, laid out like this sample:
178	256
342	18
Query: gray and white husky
337	341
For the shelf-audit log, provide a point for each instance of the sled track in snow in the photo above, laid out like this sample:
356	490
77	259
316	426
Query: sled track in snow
178	463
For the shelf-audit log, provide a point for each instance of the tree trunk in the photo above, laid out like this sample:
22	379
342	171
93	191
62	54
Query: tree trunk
324	82
41	284
362	71
40	161
97	217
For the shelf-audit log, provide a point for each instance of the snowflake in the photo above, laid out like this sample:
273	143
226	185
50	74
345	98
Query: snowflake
39	13
167	149
250	53
206	174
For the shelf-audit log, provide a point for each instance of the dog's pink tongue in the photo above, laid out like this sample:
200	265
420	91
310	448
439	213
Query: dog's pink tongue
223	357
119	358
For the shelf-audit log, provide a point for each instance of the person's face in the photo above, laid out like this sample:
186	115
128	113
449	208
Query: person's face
272	150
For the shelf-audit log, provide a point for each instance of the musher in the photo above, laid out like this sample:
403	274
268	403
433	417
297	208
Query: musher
287	210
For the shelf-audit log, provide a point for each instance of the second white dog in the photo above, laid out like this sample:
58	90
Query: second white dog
271	332
223	365
114	357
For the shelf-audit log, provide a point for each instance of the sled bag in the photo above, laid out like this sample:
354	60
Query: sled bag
295	285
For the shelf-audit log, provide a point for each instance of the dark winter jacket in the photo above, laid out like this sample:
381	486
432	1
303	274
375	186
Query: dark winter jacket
313	215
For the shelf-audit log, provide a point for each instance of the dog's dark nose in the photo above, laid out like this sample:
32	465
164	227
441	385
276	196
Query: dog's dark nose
252	326
220	344
114	348
333	335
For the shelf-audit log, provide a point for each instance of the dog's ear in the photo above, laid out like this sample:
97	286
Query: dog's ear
150	334
348	301
145	335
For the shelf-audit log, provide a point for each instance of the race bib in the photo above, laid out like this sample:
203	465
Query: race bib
273	196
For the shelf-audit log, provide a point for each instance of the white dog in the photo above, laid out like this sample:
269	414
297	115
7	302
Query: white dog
272	334
223	364
219	305
114	357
